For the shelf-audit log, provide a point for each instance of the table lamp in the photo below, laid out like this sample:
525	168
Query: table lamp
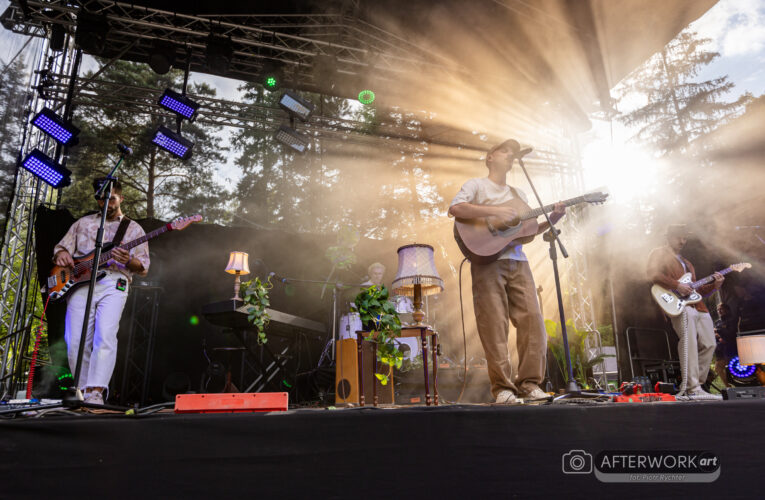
238	265
417	276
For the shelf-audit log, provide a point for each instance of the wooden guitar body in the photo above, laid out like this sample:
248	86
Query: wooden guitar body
482	240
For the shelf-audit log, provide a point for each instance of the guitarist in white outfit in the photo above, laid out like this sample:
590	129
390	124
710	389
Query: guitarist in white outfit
109	295
694	325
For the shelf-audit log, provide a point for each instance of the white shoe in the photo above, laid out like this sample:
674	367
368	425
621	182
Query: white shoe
536	393
702	395
95	398
506	398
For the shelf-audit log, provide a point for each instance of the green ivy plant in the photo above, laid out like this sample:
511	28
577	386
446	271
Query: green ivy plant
255	295
379	317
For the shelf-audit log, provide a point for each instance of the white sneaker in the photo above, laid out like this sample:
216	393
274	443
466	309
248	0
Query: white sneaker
506	398
701	395
95	398
537	393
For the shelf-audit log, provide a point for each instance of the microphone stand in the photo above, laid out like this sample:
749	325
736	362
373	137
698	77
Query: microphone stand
551	236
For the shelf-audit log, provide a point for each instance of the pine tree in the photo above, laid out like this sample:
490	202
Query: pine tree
12	97
679	109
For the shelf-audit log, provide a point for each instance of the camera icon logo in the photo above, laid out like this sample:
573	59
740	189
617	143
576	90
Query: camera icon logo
577	462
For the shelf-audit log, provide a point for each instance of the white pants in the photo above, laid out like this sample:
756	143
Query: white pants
701	345
100	353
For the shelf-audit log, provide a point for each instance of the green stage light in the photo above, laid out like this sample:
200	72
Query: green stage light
271	82
366	97
194	321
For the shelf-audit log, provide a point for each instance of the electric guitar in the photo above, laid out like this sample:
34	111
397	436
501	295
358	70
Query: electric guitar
673	303
63	279
482	240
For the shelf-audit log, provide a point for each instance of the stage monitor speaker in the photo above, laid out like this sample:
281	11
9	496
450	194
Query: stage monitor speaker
347	375
738	393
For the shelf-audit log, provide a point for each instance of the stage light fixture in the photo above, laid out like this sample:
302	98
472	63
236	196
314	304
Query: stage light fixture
173	143
219	53
271	76
162	56
296	105
292	138
43	166
179	104
366	97
738	370
92	32
63	132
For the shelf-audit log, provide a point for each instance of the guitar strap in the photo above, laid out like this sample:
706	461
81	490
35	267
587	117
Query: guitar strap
515	193
124	223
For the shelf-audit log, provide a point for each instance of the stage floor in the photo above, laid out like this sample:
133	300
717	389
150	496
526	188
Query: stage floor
449	451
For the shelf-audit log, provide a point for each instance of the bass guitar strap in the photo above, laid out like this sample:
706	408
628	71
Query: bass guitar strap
124	223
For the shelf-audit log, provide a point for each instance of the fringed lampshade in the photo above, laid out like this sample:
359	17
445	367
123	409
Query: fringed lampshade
238	264
417	276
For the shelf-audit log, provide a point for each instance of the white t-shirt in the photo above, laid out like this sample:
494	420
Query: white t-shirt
484	191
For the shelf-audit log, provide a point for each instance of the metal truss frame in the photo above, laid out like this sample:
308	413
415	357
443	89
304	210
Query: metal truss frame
136	372
17	255
295	40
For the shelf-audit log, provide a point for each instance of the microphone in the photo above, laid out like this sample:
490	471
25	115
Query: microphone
523	152
125	150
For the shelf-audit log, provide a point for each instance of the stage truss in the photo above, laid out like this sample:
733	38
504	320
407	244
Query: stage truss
17	258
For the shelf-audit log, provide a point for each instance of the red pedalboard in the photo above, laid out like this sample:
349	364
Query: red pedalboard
648	397
231	402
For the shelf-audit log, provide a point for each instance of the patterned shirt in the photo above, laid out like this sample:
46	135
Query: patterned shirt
81	239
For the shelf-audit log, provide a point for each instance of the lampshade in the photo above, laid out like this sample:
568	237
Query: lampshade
751	349
237	263
417	267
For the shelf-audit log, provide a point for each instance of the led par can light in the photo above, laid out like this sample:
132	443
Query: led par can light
43	167
63	132
292	138
179	104
173	143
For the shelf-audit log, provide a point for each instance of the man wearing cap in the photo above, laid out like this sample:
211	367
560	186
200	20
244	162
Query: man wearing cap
694	326
504	290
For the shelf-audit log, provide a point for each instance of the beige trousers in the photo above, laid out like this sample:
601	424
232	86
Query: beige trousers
504	291
701	346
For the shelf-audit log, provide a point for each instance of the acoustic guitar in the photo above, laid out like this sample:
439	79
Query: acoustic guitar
62	280
482	240
673	303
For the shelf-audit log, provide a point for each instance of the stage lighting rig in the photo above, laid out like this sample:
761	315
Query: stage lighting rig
162	56
92	32
292	138
296	105
366	96
220	51
271	76
62	131
173	143
179	104
42	166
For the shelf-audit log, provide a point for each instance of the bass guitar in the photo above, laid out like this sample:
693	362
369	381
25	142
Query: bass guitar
64	279
482	240
673	303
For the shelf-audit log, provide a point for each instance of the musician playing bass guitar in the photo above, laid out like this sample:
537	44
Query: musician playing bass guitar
504	289
694	325
109	296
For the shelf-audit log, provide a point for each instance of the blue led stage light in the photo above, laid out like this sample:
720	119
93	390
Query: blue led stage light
292	138
740	371
179	104
173	143
296	105
50	123
42	166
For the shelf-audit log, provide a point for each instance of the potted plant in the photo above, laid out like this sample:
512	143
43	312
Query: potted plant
581	362
380	319
255	296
